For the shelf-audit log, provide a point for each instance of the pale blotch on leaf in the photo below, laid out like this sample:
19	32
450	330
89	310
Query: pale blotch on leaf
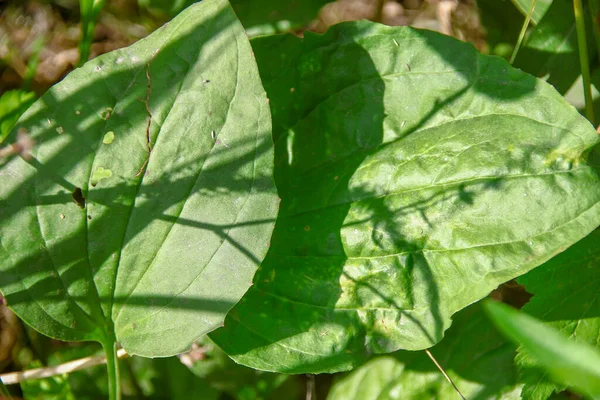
60	130
109	137
99	174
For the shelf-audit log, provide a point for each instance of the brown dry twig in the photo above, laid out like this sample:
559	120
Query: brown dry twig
22	146
13	378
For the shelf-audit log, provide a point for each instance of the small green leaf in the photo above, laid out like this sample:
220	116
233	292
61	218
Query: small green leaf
570	363
259	17
168	378
211	364
268	17
150	240
53	388
12	104
416	175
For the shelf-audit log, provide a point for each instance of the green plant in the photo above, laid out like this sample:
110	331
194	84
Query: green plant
414	175
89	10
569	363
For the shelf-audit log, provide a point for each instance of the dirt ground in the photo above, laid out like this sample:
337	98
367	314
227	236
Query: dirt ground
39	39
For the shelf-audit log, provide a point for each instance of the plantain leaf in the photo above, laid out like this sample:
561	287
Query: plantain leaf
147	243
415	175
565	298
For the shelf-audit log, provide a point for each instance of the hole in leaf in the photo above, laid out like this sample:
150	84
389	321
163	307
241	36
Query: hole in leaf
78	197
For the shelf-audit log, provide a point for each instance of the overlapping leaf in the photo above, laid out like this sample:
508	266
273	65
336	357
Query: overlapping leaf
148	203
476	357
266	16
416	175
502	22
551	50
257	16
12	104
566	297
541	7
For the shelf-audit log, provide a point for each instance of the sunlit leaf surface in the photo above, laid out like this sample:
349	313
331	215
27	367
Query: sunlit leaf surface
148	202
416	175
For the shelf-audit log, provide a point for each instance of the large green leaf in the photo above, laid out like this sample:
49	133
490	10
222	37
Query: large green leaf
551	50
476	357
568	362
416	175
101	237
566	298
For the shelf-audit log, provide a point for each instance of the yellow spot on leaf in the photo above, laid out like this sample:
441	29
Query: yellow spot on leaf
109	137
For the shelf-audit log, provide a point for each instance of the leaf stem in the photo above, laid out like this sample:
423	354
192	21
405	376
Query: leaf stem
112	365
89	10
523	31
584	60
444	373
595	11
4	391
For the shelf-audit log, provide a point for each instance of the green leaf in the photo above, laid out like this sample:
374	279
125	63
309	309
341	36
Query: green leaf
53	388
566	298
168	378
12	104
568	362
551	50
268	16
215	367
476	357
159	378
416	175
89	383
259	17
158	250
502	22
165	8
541	7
